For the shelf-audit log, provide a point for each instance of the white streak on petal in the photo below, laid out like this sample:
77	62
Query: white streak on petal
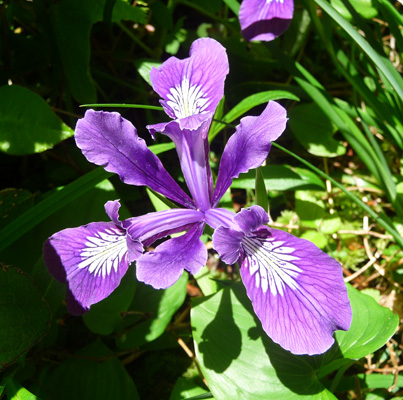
186	100
272	265
103	252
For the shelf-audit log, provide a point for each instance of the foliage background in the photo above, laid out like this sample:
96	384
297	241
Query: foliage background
335	179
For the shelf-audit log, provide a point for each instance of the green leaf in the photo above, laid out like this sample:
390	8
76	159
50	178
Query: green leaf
237	358
144	67
280	177
185	389
248	103
372	326
363	7
261	191
105	316
17	392
150	313
314	131
309	208
24	315
315	237
93	374
27	123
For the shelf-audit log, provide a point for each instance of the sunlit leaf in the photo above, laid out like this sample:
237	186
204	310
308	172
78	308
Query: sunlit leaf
27	123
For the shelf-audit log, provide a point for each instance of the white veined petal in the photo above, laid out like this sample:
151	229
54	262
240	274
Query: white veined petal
273	268
103	252
186	100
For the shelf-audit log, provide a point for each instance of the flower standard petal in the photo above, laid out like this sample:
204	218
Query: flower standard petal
194	85
193	152
164	266
109	140
249	146
265	19
92	259
297	291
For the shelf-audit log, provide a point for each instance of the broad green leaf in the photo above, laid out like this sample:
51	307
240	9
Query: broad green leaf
185	389
315	237
24	315
150	313
105	316
248	103
309	208
93	374
363	7
27	123
17	392
314	131
372	326
233	5
72	21
237	358
280	177
206	282
144	67
14	202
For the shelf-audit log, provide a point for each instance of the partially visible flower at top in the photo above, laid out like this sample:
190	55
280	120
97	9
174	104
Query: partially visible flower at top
297	291
265	19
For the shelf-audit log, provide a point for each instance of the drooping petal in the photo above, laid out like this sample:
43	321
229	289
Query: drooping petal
227	242
164	266
152	226
194	85
265	19
193	152
249	146
216	217
297	291
112	209
250	219
109	140
91	259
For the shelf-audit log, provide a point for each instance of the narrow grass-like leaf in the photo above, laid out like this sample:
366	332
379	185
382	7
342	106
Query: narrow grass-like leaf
261	191
248	103
380	220
25	222
233	5
380	61
122	105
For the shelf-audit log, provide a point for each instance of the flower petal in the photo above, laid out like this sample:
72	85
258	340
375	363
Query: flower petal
297	291
227	242
152	226
250	219
194	85
249	146
216	217
193	152
164	266
265	20
92	259
110	140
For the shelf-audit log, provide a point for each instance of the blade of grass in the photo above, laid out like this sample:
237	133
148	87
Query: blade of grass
377	218
54	202
382	63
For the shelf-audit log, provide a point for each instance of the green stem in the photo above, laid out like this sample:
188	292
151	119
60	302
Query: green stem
388	227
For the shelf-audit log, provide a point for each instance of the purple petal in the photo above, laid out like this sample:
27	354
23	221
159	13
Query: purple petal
249	146
152	226
227	242
112	209
164	266
108	139
216	217
193	152
265	20
92	259
297	291
194	85
250	219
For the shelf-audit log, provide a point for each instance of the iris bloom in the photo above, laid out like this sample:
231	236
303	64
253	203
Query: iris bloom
297	291
265	19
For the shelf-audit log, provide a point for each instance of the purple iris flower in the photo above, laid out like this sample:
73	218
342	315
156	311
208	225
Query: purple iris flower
265	19
297	291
